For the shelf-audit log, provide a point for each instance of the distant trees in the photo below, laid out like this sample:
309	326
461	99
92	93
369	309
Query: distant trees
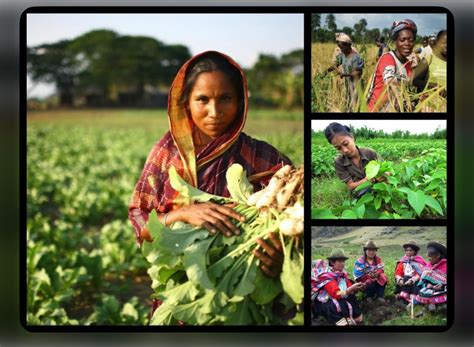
366	133
359	32
103	68
101	65
277	82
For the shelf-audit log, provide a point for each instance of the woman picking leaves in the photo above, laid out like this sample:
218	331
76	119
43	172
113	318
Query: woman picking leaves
352	160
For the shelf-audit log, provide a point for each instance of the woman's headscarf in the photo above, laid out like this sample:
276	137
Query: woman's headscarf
181	127
153	189
398	26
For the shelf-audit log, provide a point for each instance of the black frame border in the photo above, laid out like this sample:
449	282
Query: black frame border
308	116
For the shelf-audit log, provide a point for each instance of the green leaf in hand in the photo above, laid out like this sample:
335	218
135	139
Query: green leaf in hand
372	169
194	260
292	273
188	191
237	183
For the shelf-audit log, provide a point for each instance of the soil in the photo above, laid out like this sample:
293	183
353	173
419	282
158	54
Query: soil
376	312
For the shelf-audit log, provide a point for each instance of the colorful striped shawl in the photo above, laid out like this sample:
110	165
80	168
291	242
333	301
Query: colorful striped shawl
362	267
322	274
436	274
416	262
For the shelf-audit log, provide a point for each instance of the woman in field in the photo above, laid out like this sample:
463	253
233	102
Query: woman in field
352	160
394	70
207	110
352	65
433	281
408	272
436	63
333	293
369	270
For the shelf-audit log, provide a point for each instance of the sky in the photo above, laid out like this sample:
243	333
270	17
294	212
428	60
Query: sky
427	23
242	36
415	126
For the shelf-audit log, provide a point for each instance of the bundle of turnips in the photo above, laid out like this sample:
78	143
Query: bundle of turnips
207	279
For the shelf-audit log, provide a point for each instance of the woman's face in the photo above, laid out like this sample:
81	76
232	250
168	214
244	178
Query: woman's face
405	42
344	46
344	144
442	45
433	258
339	264
370	253
410	252
213	103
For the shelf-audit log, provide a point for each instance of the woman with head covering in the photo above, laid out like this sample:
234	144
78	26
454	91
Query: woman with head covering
393	69
207	110
430	75
351	162
369	270
433	281
352	65
332	292
408	271
437	63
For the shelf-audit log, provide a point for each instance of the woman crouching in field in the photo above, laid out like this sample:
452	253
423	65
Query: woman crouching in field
352	160
394	71
433	282
332	292
207	110
369	270
408	271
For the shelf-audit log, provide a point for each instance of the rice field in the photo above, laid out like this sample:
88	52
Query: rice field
329	95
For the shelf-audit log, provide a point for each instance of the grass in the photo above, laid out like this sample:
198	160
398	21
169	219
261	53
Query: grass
328	192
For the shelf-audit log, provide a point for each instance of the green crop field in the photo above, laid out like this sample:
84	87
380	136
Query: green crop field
415	188
83	264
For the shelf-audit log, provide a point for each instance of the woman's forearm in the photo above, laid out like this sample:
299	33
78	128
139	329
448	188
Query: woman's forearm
353	185
166	219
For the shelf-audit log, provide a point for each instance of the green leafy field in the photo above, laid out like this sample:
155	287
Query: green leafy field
415	186
84	266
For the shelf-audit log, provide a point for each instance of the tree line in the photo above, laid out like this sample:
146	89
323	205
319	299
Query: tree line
367	133
103	68
359	32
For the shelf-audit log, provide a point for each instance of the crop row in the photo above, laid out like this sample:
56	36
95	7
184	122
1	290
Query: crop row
323	154
82	255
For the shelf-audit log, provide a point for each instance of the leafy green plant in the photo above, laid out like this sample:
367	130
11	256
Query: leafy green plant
211	279
414	188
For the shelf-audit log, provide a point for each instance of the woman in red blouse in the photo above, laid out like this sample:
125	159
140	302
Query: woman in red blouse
333	291
394	68
408	271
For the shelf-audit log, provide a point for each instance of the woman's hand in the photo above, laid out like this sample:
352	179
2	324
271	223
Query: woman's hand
355	287
212	217
271	259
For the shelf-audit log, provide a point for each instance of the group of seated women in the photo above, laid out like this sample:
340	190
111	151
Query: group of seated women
417	281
